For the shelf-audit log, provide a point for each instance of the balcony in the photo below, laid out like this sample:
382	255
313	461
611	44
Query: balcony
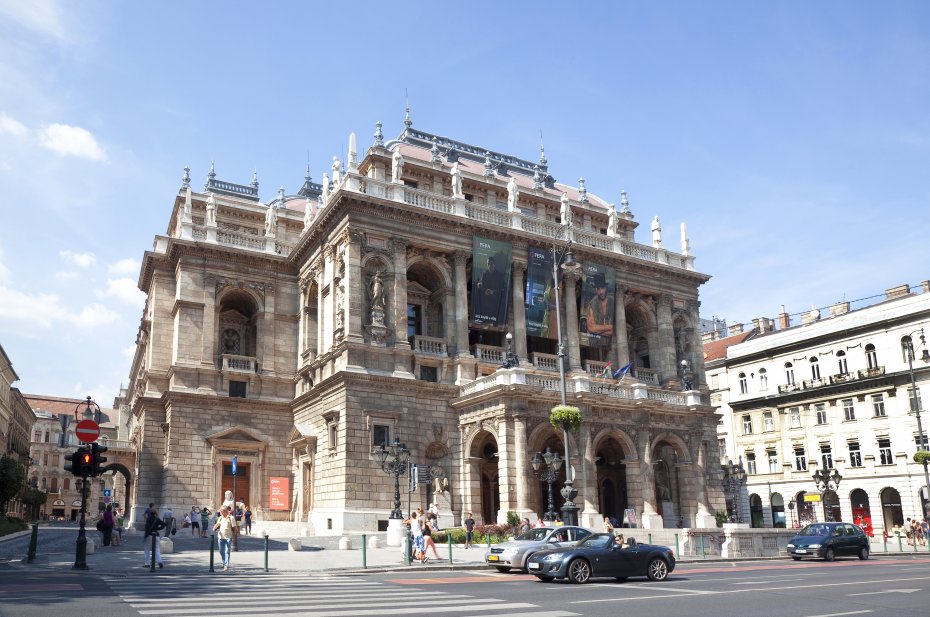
546	361
489	354
646	375
239	364
429	345
811	384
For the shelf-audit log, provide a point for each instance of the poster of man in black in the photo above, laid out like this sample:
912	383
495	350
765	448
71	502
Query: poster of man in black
490	286
597	301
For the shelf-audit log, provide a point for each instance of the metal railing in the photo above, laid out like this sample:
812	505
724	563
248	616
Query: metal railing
239	364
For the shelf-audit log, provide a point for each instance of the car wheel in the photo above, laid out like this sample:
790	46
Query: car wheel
503	568
526	562
544	579
864	553
579	571
657	570
829	555
796	558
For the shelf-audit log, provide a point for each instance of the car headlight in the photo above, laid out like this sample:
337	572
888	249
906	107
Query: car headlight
509	552
790	545
814	546
553	557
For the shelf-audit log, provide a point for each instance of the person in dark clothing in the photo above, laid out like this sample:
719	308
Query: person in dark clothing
153	525
108	524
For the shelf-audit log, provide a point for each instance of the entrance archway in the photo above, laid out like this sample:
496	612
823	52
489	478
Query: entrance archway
756	516
484	453
862	514
892	514
611	479
805	510
831	506
778	510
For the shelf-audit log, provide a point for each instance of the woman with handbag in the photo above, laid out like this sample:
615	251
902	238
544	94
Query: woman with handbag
108	524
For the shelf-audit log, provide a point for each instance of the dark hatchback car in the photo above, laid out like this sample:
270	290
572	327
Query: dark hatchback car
599	556
829	541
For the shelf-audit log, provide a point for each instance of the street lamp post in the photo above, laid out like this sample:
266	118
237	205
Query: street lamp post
394	460
564	258
91	411
510	360
548	474
826	481
916	404
686	376
733	478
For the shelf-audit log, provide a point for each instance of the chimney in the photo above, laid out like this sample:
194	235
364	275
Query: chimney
897	292
925	286
784	320
735	329
709	336
810	316
840	308
763	324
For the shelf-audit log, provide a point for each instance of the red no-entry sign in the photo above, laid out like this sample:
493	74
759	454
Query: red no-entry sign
87	431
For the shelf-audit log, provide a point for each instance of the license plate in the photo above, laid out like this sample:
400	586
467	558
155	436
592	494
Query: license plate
800	551
533	566
493	558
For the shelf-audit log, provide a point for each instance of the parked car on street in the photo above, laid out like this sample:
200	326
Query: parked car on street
829	541
513	554
598	556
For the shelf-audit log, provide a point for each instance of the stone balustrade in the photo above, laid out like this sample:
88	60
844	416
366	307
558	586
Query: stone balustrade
238	364
546	361
429	345
488	354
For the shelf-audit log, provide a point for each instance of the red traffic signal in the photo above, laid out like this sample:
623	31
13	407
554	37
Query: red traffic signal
80	462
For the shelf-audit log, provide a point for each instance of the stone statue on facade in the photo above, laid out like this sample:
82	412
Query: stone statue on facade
612	221
656	232
211	210
325	188
228	500
456	181
271	220
512	192
565	210
338	308
337	170
376	289
397	166
308	213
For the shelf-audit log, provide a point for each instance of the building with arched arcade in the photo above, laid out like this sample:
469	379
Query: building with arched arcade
300	335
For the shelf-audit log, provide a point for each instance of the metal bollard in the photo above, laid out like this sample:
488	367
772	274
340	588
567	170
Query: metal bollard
489	540
703	554
266	551
900	547
212	548
409	547
650	538
33	543
154	541
364	551
450	547
677	548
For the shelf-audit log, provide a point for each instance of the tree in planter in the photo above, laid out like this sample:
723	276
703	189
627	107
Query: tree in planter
568	418
12	476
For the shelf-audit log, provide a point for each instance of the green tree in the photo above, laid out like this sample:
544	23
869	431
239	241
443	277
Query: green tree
12	476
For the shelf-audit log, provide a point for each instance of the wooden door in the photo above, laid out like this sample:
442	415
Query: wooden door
241	481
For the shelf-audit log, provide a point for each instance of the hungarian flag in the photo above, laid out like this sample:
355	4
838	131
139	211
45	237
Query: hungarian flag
605	374
621	372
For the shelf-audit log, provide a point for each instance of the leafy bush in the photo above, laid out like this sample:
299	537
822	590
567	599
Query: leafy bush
498	533
11	525
922	457
513	519
721	518
565	417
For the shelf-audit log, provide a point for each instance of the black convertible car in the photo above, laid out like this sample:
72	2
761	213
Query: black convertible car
599	556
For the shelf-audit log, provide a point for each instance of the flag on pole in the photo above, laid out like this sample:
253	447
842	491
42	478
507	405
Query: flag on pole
605	374
621	372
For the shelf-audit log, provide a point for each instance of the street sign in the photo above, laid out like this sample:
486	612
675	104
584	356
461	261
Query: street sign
234	465
106	499
87	431
811	497
107	492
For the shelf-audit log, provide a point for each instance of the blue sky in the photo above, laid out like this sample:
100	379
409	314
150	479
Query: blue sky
792	137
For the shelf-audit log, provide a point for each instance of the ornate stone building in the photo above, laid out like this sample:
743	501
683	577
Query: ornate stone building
297	336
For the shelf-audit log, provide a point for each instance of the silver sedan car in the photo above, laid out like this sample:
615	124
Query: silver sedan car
513	554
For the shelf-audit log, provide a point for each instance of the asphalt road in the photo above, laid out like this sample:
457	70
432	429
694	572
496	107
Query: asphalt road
876	588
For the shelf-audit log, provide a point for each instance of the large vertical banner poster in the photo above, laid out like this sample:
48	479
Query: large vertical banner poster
490	281
540	294
597	305
279	493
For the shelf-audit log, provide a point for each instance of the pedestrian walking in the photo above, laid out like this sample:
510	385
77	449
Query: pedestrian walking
170	524
194	518
204	521
153	525
419	545
469	530
108	524
433	516
224	527
248	521
428	541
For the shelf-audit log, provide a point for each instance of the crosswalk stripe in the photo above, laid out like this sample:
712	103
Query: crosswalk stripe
530	614
266	599
425	606
330	612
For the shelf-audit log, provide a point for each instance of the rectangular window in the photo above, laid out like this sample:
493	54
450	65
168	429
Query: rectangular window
429	373
380	435
913	396
800	459
67	484
878	405
722	446
751	463
849	410
773	461
37	436
821	410
333	435
826	456
855	455
767	421
747	425
795	414
884	452
917	442
414	320
237	389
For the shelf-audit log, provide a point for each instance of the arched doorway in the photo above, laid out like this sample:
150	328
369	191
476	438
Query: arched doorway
611	479
756	516
862	515
805	510
484	451
892	514
831	506
778	511
667	485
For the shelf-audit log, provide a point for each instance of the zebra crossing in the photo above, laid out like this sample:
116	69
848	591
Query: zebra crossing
301	595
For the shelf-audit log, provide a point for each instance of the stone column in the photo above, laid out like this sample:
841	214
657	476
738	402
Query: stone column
505	465
651	519
461	304
399	246
697	346
267	355
665	352
622	345
703	517
210	349
590	514
521	466
519	311
354	287
570	315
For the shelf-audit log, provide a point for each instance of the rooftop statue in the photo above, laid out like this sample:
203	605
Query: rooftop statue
512	192
656	232
456	181
397	166
271	220
337	170
211	210
566	210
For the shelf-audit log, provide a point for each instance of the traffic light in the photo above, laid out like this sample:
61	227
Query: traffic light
76	461
97	451
87	463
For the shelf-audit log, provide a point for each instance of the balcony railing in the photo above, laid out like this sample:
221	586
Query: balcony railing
488	354
595	368
238	364
646	375
429	345
116	444
545	361
810	384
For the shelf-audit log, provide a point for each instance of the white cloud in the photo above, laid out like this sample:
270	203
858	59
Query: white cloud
68	140
12	126
66	275
124	266
4	166
4	271
47	310
125	289
81	260
43	17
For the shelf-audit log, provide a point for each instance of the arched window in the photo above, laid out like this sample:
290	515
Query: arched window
841	361
831	506
763	380
756	517
871	358
778	510
892	514
789	373
743	384
815	369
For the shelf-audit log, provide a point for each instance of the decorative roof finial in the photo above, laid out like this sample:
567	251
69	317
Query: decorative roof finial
307	175
281	197
488	166
542	151
582	191
212	173
186	178
685	242
407	122
379	136
255	179
434	151
538	182
625	203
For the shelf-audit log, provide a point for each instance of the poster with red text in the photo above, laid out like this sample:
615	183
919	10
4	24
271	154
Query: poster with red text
280	492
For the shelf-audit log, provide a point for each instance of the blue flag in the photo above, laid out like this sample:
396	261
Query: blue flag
621	372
